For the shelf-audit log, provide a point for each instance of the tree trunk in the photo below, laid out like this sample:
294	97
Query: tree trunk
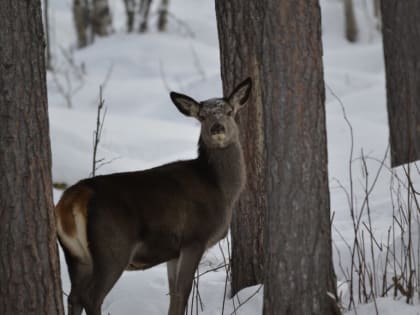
101	17
29	266
239	26
163	15
81	22
401	36
350	20
299	271
130	6
144	15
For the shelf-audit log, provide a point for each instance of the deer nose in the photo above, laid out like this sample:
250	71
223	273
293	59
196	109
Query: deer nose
217	128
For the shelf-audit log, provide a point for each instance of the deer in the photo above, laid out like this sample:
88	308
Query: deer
171	213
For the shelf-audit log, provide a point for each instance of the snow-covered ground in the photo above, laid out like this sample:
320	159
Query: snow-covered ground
143	129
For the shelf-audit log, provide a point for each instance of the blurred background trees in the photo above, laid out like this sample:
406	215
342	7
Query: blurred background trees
350	18
91	17
94	18
351	26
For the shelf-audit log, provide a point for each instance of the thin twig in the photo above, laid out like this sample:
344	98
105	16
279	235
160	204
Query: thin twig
100	120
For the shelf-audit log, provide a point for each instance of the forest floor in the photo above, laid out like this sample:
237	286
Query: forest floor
143	129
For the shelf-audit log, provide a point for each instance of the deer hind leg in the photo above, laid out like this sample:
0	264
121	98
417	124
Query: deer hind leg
109	262
90	284
107	270
187	264
79	274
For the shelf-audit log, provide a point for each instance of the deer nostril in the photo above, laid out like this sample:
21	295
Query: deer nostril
217	128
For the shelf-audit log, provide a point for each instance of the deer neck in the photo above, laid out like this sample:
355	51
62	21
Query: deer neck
227	167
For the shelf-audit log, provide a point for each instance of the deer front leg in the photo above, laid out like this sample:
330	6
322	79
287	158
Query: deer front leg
187	264
171	267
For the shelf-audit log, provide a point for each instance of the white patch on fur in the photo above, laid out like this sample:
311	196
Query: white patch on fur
219	137
76	244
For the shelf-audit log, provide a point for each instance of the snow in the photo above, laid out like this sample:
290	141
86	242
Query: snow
388	306
143	129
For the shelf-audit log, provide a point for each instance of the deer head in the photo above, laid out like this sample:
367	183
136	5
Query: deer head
216	115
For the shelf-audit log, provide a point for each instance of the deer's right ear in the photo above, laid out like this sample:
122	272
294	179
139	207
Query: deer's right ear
185	104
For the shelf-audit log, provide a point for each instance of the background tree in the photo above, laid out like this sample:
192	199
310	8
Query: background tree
350	20
101	18
143	14
81	22
130	6
91	18
163	15
29	266
144	9
239	26
401	36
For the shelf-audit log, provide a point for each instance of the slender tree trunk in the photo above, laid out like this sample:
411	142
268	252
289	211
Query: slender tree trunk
29	265
239	26
350	20
130	6
81	22
401	36
144	15
163	15
298	233
101	17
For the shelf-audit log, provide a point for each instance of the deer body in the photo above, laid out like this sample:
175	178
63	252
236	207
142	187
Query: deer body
171	213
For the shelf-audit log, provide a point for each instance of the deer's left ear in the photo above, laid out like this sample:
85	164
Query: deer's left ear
240	94
185	104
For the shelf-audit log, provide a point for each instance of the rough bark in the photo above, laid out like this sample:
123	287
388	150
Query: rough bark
297	234
101	17
401	36
350	20
239	26
29	265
